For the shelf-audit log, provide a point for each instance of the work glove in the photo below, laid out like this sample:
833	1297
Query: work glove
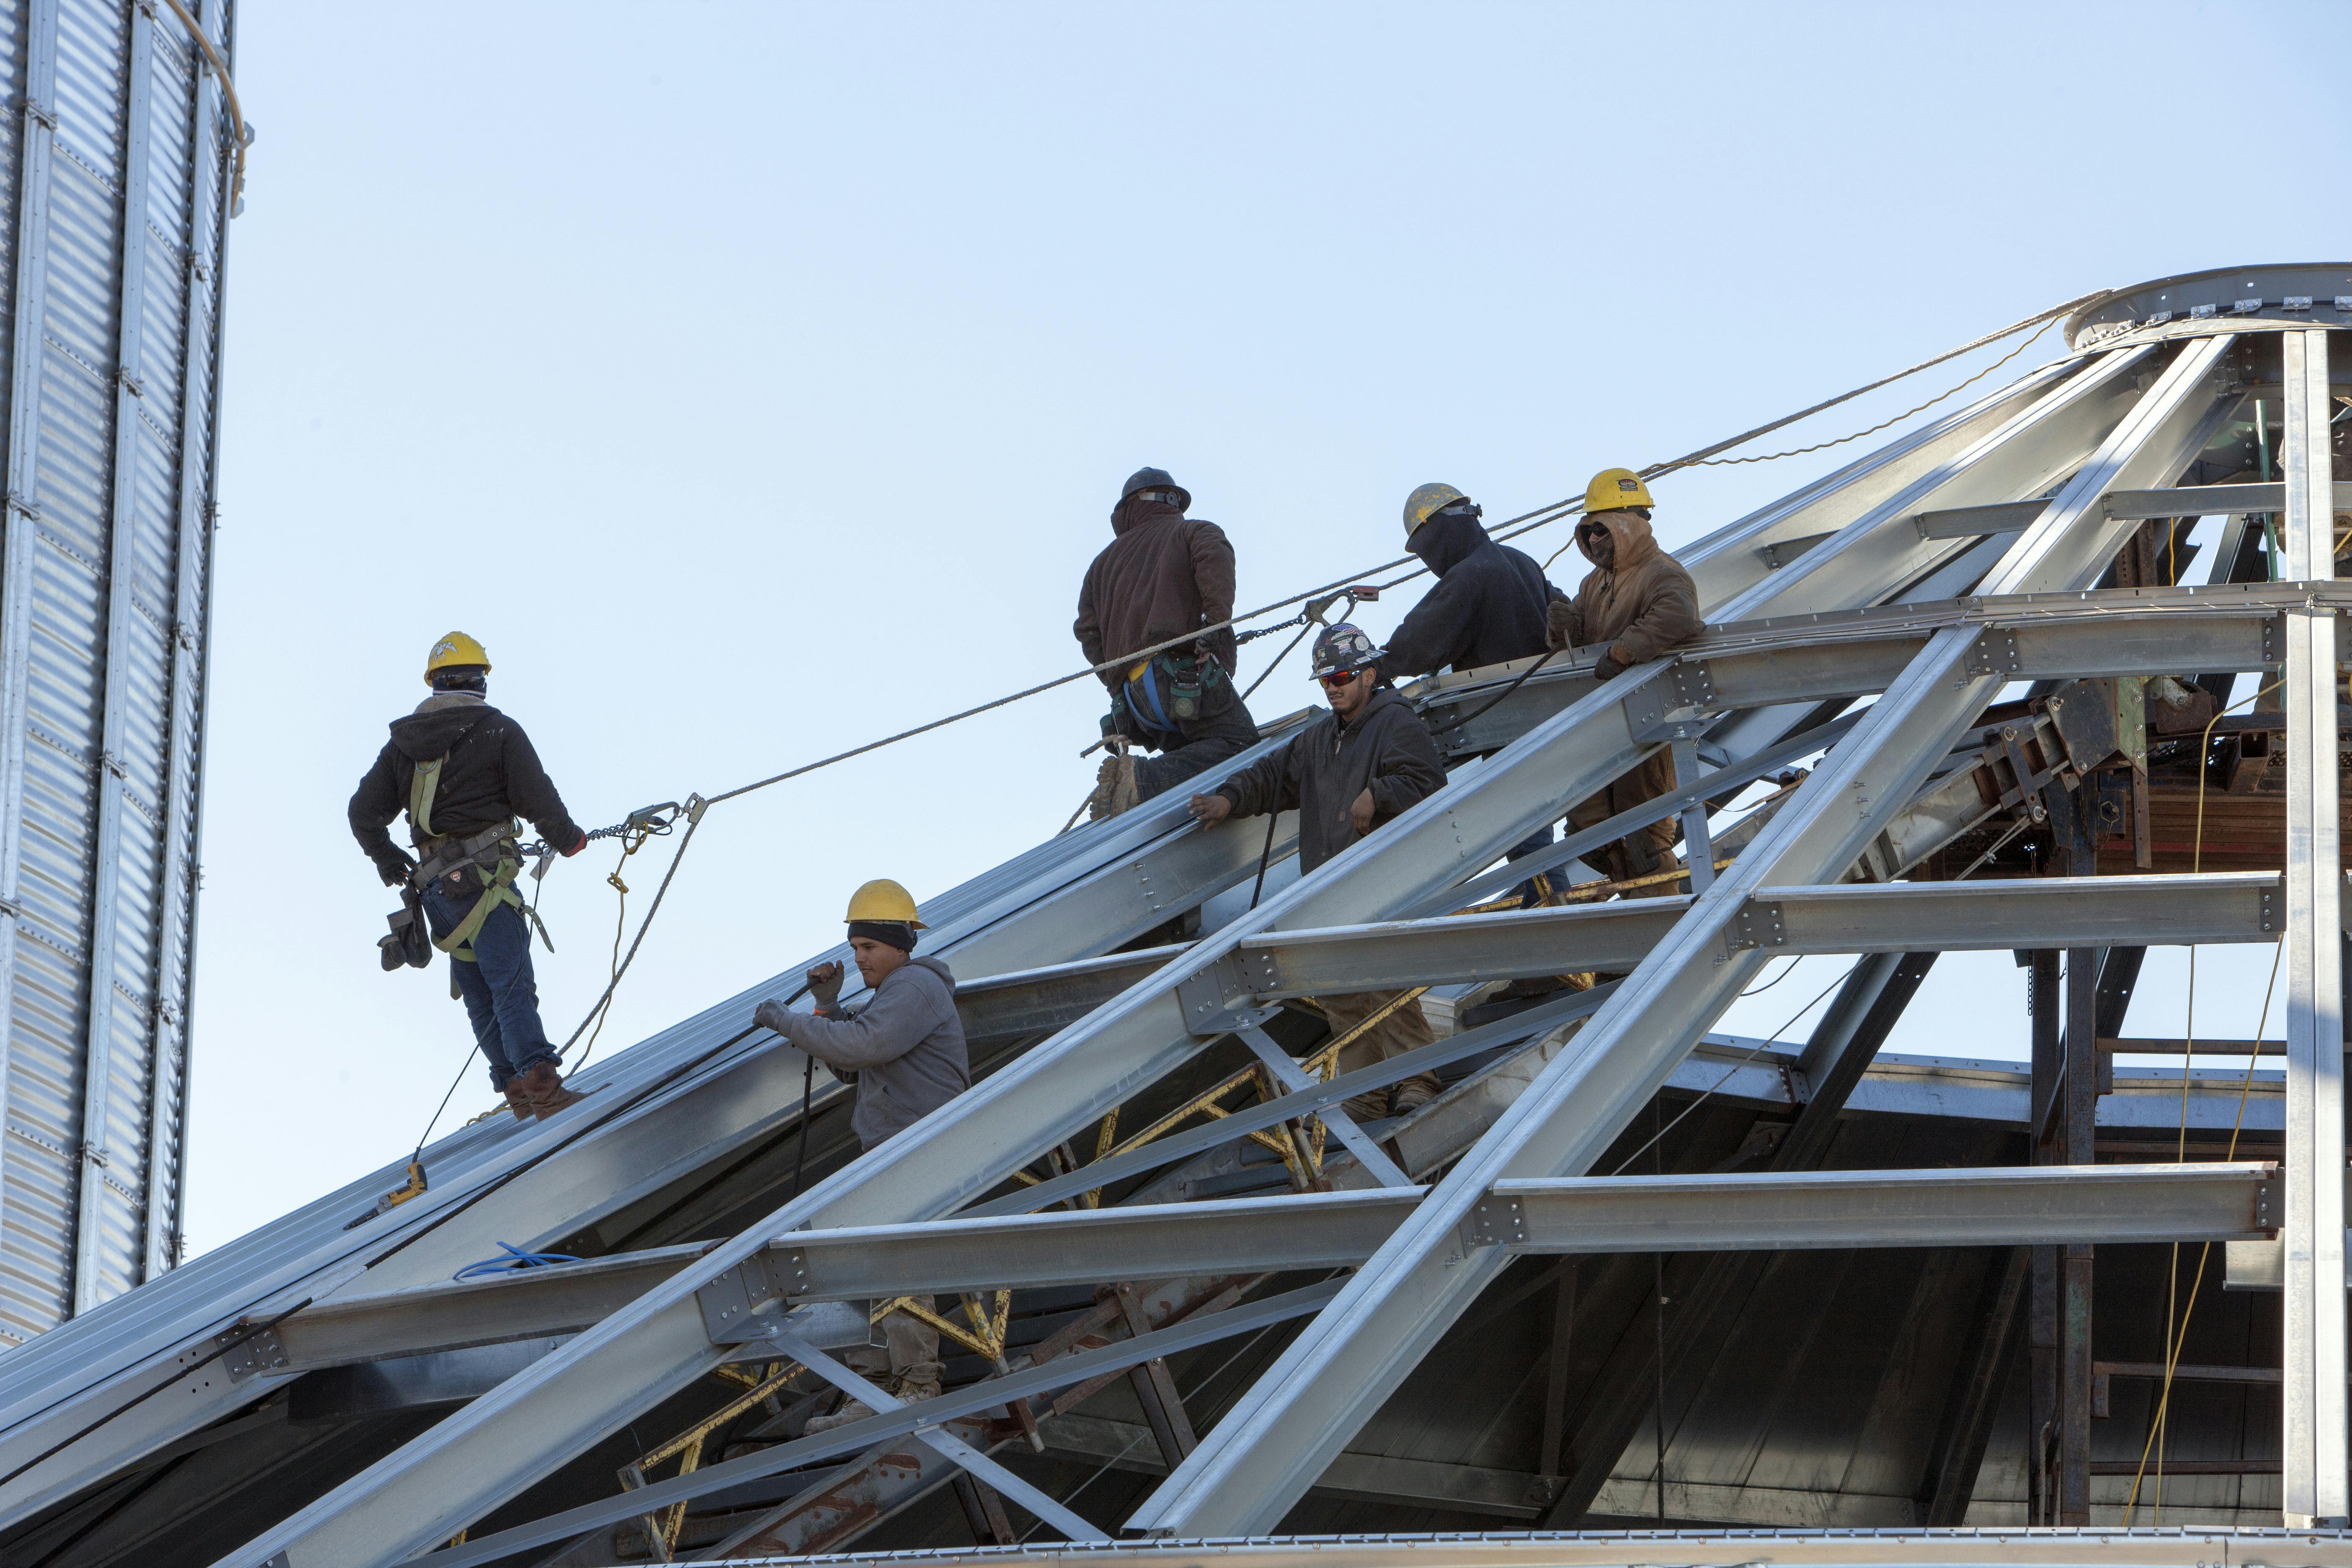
771	1015
1560	622
1608	668
577	847
825	985
395	868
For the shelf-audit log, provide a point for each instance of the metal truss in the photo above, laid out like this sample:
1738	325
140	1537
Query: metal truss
1929	576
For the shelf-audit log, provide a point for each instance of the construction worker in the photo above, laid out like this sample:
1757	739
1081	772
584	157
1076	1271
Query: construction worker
904	1051
1367	761
1487	607
1488	603
1638	600
1164	576
462	770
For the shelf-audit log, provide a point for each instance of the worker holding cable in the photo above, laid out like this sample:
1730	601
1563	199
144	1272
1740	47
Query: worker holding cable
462	770
1165	577
904	1051
1368	759
1637	600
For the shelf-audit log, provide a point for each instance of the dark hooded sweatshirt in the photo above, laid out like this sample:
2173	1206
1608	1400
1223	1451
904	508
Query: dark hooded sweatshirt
1164	576
1486	608
1327	765
492	774
905	1048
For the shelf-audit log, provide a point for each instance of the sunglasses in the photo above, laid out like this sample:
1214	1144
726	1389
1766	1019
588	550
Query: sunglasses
1338	676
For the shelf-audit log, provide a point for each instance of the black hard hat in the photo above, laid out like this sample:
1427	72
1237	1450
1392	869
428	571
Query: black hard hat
1154	480
1342	649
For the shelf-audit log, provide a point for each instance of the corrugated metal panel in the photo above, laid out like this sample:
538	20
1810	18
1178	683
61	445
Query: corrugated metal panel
114	163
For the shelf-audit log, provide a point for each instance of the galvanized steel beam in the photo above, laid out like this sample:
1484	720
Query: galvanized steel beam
1088	1246
2176	910
1267	1451
2317	1491
1786	1211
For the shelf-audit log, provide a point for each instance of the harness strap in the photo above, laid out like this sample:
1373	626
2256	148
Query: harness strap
427	779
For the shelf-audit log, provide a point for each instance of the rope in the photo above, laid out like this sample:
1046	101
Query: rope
1509	527
228	89
1922	409
2156	1431
511	1259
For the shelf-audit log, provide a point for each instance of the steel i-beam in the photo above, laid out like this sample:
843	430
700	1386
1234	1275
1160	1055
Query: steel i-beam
1269	1449
2316	1491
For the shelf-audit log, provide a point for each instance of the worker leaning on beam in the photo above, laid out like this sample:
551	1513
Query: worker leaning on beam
1488	604
1164	576
1368	759
462	770
1639	601
1487	607
905	1052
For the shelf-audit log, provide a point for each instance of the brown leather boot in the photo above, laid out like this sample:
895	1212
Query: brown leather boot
542	1088
517	1102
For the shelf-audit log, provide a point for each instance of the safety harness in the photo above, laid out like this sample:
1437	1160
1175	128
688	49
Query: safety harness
492	853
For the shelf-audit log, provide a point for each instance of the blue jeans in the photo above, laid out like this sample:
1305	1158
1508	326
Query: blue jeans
501	998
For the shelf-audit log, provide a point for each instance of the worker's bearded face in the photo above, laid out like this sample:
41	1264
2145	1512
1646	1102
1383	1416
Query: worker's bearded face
1348	700
1600	544
875	958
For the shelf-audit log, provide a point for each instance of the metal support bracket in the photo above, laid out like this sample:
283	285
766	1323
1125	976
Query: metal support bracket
1657	710
1759	923
1220	999
251	1354
1495	1221
1995	653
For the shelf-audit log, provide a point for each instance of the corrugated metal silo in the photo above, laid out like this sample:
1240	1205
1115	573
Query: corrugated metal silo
115	156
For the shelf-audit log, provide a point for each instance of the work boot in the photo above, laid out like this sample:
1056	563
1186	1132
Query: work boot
851	1410
1114	788
913	1388
1417	1091
517	1102
542	1090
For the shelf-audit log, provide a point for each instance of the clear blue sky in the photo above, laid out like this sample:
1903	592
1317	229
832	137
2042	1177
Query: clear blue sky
754	380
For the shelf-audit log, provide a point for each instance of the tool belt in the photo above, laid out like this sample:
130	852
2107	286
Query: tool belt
489	860
1161	694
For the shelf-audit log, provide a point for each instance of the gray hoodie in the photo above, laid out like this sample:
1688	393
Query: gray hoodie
905	1048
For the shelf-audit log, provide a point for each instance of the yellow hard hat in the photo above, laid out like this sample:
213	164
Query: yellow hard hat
1426	502
457	649
1613	490
884	900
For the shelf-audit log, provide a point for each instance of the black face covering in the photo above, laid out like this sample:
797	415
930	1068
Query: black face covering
462	677
896	933
1446	539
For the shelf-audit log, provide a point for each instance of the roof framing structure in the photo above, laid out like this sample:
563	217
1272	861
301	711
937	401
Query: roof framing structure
1924	580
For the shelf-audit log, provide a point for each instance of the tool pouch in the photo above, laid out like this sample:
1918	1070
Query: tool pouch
1183	687
409	941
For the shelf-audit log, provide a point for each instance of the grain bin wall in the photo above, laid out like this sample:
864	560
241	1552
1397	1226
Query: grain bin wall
114	181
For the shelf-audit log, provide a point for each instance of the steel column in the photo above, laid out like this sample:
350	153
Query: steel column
2316	1490
39	133
103	998
204	294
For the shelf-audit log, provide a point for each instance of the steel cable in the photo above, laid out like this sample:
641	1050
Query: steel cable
1510	528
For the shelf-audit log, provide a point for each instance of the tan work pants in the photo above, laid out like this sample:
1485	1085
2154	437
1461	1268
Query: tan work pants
1402	1030
1617	861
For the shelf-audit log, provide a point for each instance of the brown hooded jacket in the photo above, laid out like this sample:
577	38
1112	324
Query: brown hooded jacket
1641	604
